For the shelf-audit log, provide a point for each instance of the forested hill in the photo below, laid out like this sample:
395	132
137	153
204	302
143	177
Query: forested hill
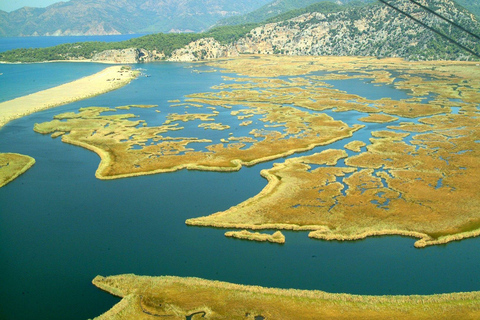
278	8
320	29
471	5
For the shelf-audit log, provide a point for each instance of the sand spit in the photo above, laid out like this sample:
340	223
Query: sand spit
104	81
179	298
13	165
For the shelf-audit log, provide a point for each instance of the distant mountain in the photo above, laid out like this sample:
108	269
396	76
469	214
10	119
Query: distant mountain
278	7
320	29
103	17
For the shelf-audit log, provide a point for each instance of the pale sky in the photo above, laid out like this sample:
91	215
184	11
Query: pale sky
11	5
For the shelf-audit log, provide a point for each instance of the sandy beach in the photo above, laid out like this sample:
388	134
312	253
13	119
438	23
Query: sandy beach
104	81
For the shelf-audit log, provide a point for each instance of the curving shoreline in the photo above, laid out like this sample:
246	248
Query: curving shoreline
176	297
12	165
101	82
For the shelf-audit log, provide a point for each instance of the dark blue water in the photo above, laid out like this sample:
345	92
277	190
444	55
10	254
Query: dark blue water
60	226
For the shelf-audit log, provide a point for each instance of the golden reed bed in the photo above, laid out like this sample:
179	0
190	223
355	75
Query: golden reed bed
420	177
176	298
13	165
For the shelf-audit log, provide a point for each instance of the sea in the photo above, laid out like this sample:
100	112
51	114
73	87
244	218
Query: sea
60	226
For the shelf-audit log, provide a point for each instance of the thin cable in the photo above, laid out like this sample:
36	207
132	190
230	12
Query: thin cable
431	29
446	19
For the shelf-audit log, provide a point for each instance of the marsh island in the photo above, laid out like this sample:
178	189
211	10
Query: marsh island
416	175
13	165
192	298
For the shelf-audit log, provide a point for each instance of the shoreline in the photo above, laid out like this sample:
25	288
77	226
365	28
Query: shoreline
13	165
109	79
171	296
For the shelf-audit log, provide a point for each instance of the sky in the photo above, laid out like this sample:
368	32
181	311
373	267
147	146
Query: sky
11	5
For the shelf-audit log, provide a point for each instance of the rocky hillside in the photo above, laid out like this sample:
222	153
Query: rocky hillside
471	5
373	30
104	17
276	8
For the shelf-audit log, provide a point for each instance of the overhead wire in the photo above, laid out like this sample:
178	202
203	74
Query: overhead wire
430	28
445	19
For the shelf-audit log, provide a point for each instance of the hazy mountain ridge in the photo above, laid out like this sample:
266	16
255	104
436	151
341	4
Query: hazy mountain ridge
372	30
105	17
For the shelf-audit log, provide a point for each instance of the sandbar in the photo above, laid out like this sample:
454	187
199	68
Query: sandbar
104	81
169	297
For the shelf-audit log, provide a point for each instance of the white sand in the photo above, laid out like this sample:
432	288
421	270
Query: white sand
106	80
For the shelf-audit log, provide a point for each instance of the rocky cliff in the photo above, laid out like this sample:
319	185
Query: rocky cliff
131	55
374	30
207	48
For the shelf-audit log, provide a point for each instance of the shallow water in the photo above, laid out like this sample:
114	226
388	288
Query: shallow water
60	226
17	80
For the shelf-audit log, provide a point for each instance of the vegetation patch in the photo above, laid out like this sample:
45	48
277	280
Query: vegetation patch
180	298
277	237
13	165
378	118
418	179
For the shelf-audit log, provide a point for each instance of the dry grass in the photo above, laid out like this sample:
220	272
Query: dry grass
421	179
355	145
426	187
13	165
429	192
176	298
277	237
113	137
378	118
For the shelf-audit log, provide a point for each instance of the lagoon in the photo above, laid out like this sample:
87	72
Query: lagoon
60	226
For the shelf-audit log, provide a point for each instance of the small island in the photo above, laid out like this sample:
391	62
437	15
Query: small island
13	165
277	237
169	297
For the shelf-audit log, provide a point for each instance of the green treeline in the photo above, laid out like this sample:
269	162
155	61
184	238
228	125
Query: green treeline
345	38
162	42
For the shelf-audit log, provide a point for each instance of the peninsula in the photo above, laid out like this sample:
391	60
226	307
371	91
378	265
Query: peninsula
111	78
13	165
193	298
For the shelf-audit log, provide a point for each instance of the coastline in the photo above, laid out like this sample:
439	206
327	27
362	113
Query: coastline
101	82
177	297
12	165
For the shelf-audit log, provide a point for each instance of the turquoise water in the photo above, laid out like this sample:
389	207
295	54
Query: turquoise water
17	80
60	226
